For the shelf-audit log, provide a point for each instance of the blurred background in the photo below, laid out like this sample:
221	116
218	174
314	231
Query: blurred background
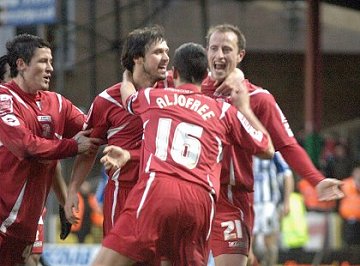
306	53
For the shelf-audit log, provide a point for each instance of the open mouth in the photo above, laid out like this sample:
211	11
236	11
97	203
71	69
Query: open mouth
162	68
47	79
219	66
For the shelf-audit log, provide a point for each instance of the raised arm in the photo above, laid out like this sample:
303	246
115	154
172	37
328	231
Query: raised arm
127	87
241	100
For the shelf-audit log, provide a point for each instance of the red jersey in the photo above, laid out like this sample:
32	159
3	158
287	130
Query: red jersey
113	124
34	130
237	164
185	132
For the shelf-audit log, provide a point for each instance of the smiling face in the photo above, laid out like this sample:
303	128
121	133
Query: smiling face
36	75
155	62
223	54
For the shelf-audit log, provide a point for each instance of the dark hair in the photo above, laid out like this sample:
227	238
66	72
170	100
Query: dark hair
23	46
3	63
190	61
137	43
228	28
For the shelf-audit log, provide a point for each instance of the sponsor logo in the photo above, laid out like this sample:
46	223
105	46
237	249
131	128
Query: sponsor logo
6	104
46	125
235	244
10	120
44	118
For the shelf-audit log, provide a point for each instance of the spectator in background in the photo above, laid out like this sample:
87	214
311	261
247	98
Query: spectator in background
273	184
294	228
339	165
100	189
312	203
349	208
89	214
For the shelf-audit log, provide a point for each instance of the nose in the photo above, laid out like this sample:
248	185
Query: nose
166	57
50	67
219	53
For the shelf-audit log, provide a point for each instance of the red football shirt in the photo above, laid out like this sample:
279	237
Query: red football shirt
237	164
33	132
112	123
185	133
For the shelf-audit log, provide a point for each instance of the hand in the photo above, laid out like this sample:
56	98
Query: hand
252	260
115	157
329	189
65	225
285	209
71	207
240	97
231	83
86	144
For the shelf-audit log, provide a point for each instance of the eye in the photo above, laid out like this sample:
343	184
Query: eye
227	50
213	48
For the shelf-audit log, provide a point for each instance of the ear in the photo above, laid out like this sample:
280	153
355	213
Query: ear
240	56
20	64
138	60
175	73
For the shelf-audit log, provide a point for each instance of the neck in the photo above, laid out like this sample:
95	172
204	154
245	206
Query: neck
20	81
178	82
142	80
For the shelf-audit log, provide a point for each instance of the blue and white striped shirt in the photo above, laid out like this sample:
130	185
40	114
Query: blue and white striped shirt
268	179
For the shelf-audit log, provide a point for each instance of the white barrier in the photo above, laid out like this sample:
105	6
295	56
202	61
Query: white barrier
70	254
75	254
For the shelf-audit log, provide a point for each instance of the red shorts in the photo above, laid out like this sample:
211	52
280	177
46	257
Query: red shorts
164	217
38	246
14	251
115	195
231	232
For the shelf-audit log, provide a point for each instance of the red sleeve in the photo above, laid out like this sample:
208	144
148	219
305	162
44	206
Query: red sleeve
300	162
135	155
75	119
24	144
249	138
271	116
97	119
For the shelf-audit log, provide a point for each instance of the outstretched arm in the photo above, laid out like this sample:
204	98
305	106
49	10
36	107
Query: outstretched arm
299	161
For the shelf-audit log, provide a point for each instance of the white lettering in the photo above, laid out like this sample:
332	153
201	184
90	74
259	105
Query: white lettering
208	115
203	109
186	102
160	102
255	134
196	105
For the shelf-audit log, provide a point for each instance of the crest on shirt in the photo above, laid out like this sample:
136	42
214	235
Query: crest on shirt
6	104
46	125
